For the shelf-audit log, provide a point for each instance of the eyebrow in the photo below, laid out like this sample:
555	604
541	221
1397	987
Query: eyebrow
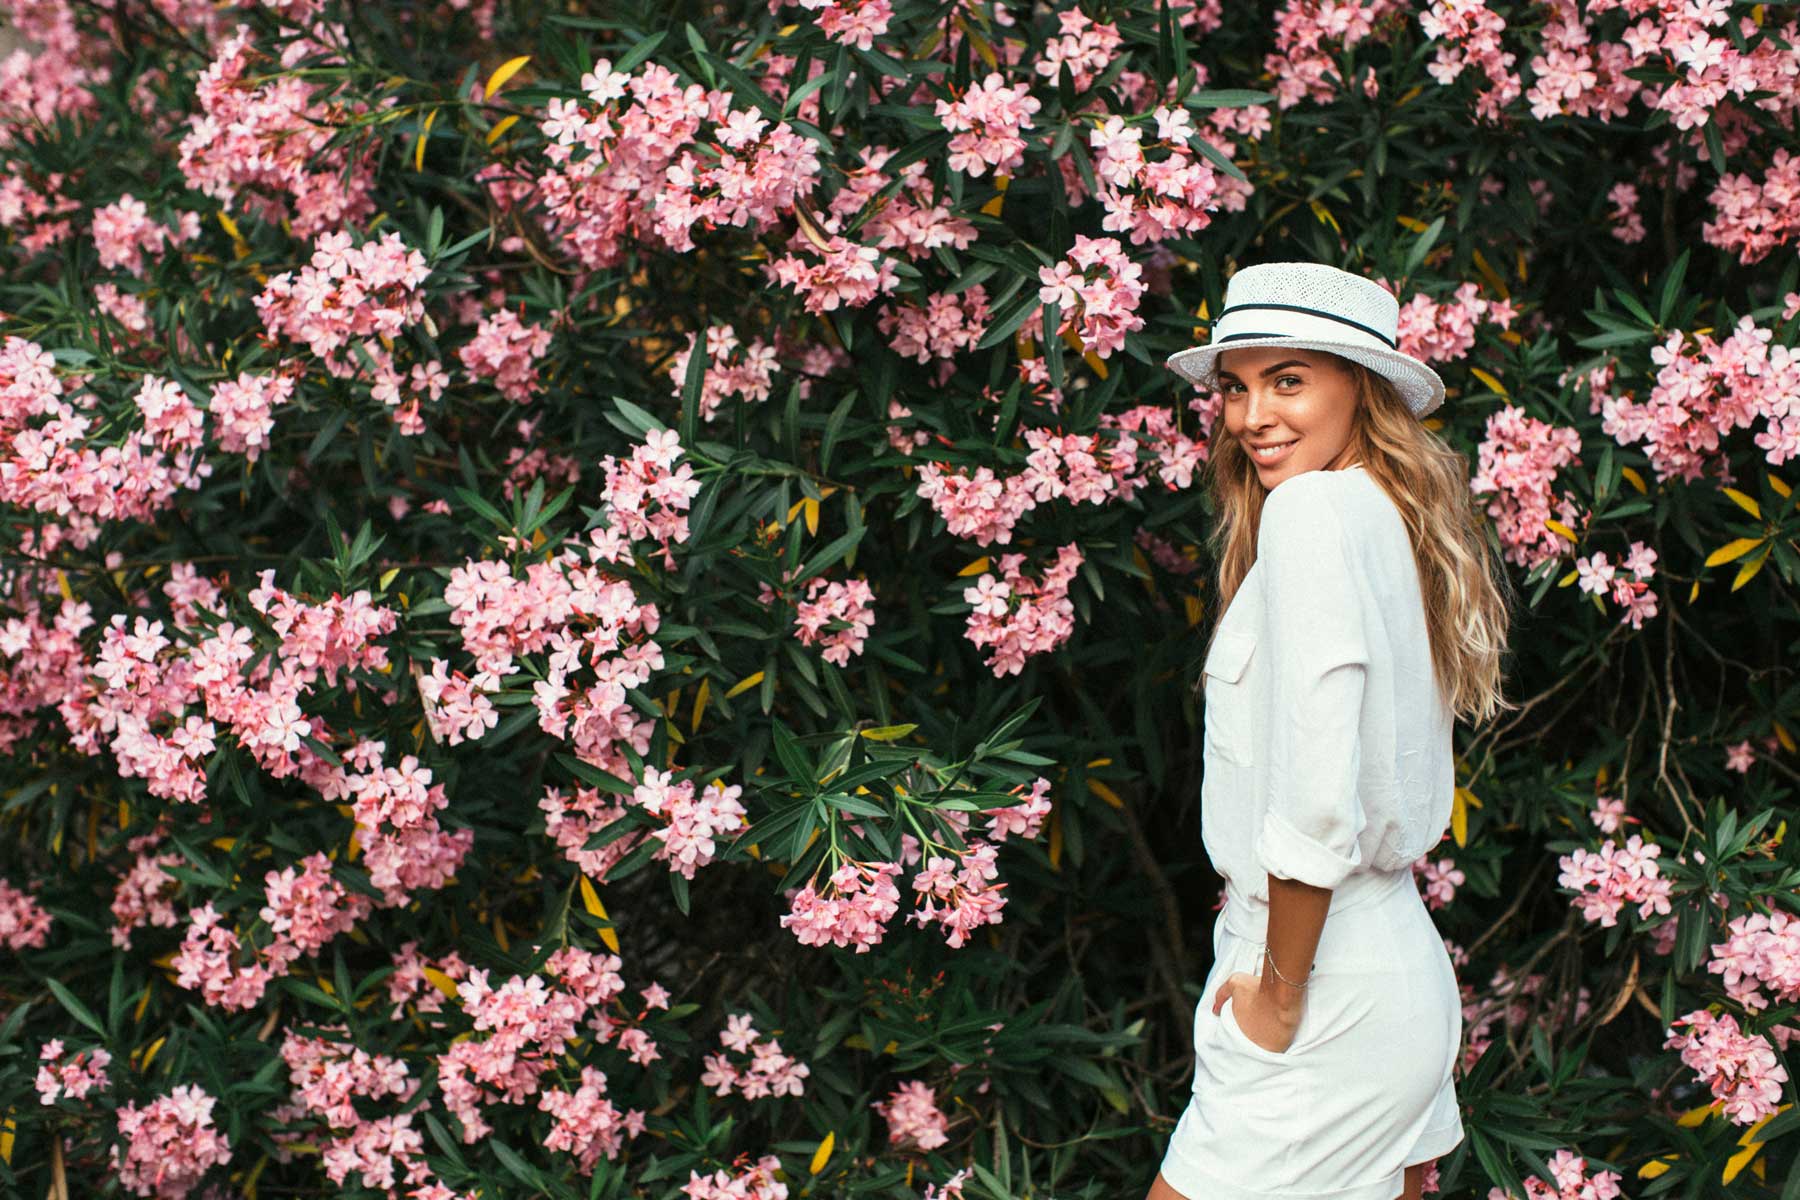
1267	371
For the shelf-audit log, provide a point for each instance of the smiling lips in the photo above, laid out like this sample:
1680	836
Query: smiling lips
1272	453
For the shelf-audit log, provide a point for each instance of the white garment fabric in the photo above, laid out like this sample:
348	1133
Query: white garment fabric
1328	759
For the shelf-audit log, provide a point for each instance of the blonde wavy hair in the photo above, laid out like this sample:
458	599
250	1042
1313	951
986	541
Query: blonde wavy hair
1468	594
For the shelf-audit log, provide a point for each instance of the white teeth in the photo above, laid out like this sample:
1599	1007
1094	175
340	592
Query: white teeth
1270	451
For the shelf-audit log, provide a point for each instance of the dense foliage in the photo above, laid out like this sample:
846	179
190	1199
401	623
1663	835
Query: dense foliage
602	599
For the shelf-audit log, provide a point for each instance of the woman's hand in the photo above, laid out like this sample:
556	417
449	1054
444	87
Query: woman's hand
1268	1024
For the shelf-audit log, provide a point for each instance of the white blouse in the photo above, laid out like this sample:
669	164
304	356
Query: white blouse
1328	747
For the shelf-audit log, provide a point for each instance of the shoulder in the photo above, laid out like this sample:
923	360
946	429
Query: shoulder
1305	511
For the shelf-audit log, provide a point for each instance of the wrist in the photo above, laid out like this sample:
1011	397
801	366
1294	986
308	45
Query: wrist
1285	997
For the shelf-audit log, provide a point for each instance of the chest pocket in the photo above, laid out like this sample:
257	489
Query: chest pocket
1228	697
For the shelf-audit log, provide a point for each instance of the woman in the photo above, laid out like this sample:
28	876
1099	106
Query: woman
1362	615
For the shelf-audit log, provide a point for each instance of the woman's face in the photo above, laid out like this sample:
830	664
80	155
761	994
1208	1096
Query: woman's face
1300	401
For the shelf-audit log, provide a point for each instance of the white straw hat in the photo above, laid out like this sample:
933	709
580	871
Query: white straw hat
1312	306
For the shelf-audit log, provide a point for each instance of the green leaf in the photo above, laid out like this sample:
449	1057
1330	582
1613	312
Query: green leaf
76	1008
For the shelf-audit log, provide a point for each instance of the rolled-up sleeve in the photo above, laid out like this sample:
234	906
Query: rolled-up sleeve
1313	630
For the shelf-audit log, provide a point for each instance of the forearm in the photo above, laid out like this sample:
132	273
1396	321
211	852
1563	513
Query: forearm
1296	918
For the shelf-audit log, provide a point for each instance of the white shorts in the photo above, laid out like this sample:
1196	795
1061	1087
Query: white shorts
1364	1091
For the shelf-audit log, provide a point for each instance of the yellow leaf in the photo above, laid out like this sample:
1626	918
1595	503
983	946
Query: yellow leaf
974	568
387	577
502	73
1736	548
1695	1116
1095	363
1459	819
143	1003
1566	580
1636	480
1412	223
224	843
1195	610
893	1047
1324	214
700	694
822	1155
419	142
6	1138
992	207
500	128
888	733
1100	762
812	514
1056	836
590	900
1750	568
792	512
744	684
1488	274
1737	1162
1657	1166
150	1053
441	982
1493	384
1781	488
62	585
1693	591
1747	503
1555	526
1787	739
1105	793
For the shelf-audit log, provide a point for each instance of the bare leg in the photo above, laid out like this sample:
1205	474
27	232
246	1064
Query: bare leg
1414	1184
1160	1190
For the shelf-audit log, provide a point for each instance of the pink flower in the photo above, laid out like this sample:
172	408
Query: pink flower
169	1144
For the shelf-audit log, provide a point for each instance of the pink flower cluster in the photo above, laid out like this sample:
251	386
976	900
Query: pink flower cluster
914	1120
1438	880
748	374
242	411
1763	950
1618	875
53	459
74	1076
328	1076
1097	288
1019	616
755	1182
647	496
1569	1180
1624	221
345	292
988	121
124	234
768	1073
1516	464
835	272
506	350
1752	218
1309	34
862	898
1446	332
622	170
853	22
852	603
1074	467
456	708
404	848
263	139
1742	1069
304	911
23	921
588	1124
169	1144
937	330
1152	200
914	221
145	895
410	985
1704	389
530	1023
1631	592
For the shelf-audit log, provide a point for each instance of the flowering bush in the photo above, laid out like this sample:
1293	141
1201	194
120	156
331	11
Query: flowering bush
601	600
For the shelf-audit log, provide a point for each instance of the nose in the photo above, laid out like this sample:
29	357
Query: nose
1256	409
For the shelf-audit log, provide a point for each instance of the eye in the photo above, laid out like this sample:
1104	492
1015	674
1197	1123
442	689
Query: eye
1282	380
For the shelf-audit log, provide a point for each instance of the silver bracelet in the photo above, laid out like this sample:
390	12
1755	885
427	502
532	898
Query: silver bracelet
1269	956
